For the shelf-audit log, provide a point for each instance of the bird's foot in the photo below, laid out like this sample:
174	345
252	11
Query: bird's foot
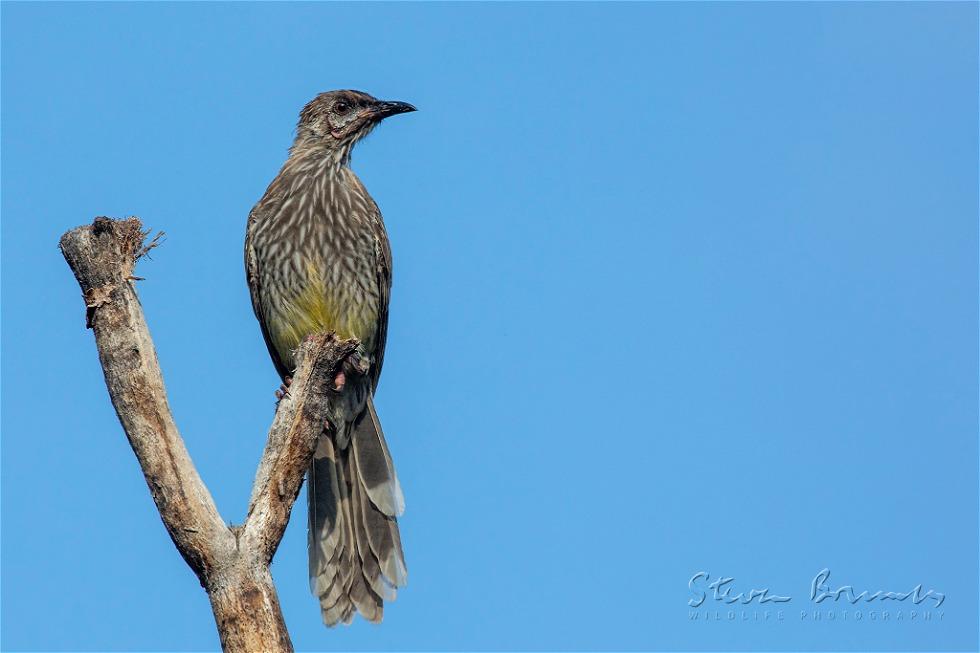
283	390
358	364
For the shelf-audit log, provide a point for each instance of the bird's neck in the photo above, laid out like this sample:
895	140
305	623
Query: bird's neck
313	156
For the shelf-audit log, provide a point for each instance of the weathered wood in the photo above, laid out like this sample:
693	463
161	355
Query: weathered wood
301	418
246	610
103	256
232	563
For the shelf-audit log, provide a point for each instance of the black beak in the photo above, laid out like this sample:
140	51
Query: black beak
382	110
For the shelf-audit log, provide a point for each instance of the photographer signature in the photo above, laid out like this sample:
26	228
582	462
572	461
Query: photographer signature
721	589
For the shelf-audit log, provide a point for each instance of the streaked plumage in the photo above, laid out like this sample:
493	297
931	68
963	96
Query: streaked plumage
317	258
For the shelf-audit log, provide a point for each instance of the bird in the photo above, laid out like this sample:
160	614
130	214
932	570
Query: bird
317	258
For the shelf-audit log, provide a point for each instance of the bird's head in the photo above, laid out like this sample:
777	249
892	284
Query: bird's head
336	120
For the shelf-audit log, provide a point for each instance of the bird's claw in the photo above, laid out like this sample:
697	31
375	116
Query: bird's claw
283	390
357	363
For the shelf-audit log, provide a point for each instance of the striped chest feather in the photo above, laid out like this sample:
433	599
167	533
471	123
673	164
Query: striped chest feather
316	252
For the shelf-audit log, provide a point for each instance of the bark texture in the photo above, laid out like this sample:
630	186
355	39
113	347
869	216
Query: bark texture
232	563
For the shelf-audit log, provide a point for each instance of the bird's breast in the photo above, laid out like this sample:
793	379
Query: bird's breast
318	264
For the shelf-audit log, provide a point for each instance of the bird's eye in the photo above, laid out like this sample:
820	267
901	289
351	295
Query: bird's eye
341	108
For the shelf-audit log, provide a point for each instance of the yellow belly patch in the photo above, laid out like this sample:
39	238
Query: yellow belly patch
315	309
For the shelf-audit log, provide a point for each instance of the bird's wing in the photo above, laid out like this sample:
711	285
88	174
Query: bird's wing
253	278
382	256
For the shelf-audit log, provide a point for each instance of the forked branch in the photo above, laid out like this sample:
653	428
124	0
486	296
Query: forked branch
232	563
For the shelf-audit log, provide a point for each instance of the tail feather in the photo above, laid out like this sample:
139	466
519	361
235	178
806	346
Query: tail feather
367	602
361	596
375	539
356	559
325	527
371	561
328	537
374	464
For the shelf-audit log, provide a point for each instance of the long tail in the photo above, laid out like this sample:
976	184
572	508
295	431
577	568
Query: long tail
356	559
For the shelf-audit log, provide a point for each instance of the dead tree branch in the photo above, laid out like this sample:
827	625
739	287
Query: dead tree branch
232	563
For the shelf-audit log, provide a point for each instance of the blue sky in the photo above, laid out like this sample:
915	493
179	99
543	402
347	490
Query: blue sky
678	288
